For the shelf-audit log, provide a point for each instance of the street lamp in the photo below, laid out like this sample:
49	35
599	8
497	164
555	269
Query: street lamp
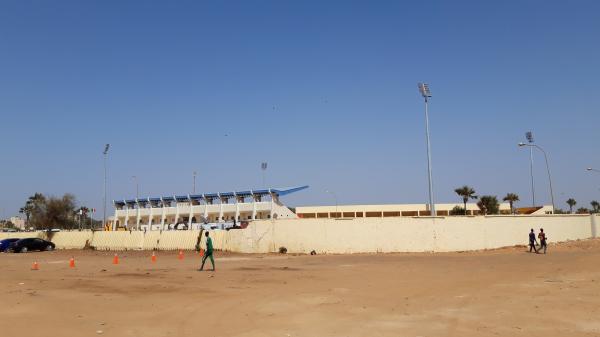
426	93
194	189
106	147
336	201
592	169
547	169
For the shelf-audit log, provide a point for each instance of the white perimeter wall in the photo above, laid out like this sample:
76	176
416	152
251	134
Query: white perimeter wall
362	235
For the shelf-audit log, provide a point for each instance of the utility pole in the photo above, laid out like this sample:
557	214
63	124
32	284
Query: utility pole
106	147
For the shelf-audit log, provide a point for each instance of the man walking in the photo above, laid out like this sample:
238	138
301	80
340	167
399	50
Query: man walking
542	237
532	241
209	253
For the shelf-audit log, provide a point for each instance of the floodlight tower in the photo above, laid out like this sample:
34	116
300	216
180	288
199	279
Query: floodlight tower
106	147
529	136
531	146
263	167
426	93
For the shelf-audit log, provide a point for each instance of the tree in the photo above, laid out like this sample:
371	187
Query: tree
50	212
488	204
583	210
33	206
595	206
511	198
571	202
457	210
466	193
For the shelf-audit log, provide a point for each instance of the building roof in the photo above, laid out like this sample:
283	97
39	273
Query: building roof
246	193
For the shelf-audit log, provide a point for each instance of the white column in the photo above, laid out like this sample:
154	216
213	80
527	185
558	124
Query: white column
253	205
191	213
138	215
150	216
272	201
163	214
114	224
237	207
205	207
126	215
176	210
220	207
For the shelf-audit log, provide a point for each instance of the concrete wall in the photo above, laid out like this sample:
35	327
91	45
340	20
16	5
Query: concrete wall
362	235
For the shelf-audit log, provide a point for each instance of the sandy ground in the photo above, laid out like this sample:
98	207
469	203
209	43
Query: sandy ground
505	292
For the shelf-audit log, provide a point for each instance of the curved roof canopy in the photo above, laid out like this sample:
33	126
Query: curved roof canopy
182	198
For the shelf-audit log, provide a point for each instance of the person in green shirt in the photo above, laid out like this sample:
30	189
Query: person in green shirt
208	253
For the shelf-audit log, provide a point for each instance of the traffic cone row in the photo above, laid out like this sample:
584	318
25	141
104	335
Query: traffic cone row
180	256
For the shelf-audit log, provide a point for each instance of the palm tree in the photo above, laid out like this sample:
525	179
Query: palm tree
33	206
466	193
571	202
595	206
511	198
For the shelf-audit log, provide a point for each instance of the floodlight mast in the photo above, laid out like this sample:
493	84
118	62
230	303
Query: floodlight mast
426	93
529	136
105	153
531	146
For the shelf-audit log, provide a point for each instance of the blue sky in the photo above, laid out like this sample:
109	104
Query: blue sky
324	91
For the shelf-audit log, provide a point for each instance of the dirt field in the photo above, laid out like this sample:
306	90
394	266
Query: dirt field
497	293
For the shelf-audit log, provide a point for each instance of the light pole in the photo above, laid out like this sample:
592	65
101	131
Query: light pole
336	201
529	136
547	169
106	147
592	170
194	189
137	187
263	167
426	93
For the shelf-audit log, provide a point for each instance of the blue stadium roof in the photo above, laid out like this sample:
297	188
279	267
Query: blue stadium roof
260	192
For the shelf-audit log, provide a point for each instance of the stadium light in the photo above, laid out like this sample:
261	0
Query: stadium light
547	168
106	147
336	201
529	137
426	93
263	167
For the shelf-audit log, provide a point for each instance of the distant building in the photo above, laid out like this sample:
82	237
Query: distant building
18	222
395	210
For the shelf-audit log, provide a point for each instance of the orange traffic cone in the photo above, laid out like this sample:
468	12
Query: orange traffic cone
72	262
116	259
35	266
201	252
180	255
153	257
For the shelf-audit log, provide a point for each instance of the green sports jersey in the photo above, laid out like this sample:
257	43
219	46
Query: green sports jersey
209	246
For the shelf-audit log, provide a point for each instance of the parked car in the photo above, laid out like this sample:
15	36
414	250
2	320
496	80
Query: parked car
4	244
24	245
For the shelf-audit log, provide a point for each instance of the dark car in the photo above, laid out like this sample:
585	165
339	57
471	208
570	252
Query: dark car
24	245
4	244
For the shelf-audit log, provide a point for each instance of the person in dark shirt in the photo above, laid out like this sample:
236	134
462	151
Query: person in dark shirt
532	242
208	253
542	237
